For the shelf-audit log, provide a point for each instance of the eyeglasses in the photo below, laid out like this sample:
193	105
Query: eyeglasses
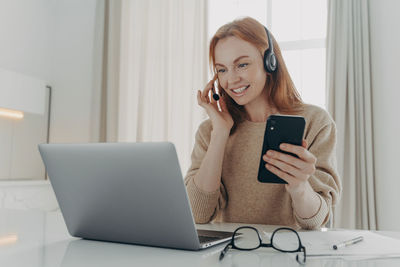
282	239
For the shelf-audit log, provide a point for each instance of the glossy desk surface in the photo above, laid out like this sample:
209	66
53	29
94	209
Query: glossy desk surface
34	238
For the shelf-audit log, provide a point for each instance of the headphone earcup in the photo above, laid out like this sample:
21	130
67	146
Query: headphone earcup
272	62
269	61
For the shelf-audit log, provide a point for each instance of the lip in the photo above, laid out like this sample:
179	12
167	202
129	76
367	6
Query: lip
242	93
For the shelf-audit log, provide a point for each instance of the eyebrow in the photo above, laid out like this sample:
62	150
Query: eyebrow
236	60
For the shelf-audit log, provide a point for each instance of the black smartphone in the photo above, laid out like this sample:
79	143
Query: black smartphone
280	129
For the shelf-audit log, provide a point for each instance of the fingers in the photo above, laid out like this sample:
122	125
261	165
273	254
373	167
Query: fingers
204	99
301	168
304	143
200	101
209	87
300	151
287	168
275	155
290	179
215	77
205	102
205	94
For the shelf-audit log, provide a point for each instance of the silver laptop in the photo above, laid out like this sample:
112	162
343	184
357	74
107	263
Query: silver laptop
125	192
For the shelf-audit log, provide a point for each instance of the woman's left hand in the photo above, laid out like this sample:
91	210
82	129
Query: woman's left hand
295	171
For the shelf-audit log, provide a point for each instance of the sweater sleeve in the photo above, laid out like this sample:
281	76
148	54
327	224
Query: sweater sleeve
325	181
205	205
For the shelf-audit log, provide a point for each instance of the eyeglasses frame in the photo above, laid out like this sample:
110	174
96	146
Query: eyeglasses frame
231	244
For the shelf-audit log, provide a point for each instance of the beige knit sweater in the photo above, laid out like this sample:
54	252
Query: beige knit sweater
241	198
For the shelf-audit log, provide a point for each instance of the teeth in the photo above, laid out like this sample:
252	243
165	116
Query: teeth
239	90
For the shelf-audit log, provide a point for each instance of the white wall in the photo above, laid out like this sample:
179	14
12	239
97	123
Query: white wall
75	68
25	41
58	41
385	60
19	156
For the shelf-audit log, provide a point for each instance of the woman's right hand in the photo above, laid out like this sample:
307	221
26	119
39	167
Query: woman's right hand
221	120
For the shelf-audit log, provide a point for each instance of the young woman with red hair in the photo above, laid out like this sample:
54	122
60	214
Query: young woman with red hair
222	180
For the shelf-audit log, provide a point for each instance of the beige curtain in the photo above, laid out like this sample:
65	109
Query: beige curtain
105	94
111	72
349	102
155	59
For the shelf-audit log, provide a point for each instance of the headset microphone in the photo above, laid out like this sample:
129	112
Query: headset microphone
215	96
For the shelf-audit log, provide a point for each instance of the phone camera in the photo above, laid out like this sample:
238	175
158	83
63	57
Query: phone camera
273	122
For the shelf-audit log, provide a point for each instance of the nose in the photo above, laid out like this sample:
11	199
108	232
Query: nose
233	77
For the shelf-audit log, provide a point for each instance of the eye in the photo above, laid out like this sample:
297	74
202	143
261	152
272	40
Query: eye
242	65
221	70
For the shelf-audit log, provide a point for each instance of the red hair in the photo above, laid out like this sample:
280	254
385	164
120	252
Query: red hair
279	86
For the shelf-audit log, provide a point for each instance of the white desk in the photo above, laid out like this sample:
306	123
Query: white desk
38	239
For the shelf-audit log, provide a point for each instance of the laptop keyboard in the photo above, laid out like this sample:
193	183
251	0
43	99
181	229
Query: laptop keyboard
207	239
206	236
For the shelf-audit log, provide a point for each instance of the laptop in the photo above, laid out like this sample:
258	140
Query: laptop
125	192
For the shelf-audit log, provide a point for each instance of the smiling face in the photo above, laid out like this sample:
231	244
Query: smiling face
240	70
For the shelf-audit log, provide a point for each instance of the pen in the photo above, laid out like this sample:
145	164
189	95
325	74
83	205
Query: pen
349	242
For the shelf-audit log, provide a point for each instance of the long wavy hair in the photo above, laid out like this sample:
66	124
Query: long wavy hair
282	93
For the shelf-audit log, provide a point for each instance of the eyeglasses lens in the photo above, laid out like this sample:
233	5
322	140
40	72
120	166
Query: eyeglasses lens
246	238
286	240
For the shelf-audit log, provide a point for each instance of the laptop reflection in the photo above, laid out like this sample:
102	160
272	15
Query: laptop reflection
83	252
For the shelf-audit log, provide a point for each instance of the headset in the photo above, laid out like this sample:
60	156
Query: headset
270	62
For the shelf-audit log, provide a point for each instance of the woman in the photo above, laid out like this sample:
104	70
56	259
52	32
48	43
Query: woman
222	179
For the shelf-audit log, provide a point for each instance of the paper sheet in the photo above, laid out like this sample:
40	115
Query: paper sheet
319	244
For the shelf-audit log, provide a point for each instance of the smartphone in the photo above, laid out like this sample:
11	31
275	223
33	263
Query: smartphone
280	129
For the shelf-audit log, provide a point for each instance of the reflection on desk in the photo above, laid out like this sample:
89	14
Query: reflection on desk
42	241
97	253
